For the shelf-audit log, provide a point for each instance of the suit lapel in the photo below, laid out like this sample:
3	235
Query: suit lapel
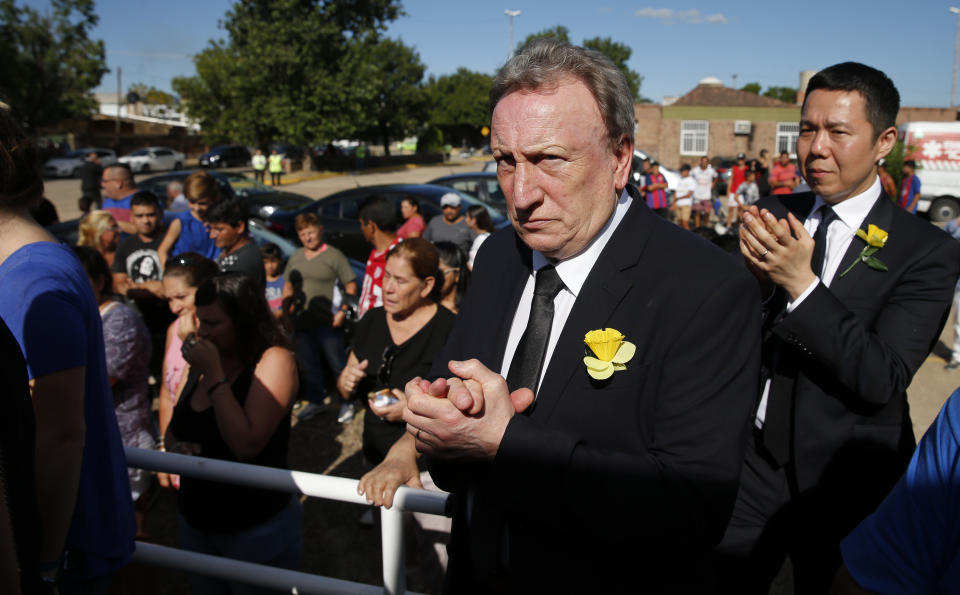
881	215
603	290
516	271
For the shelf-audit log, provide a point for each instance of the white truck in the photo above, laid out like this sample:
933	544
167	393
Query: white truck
935	146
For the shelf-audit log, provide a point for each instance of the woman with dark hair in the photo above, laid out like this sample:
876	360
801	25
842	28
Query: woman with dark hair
235	406
82	490
181	277
414	224
478	219
127	342
396	342
456	275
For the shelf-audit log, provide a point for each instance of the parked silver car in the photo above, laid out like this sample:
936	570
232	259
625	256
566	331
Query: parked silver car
69	165
154	159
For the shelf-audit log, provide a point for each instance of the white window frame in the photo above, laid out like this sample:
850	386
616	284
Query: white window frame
694	137
787	133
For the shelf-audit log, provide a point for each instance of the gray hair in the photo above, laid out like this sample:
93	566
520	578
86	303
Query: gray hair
176	186
543	62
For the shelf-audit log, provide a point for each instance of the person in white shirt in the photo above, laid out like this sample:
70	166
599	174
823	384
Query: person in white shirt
684	201
706	178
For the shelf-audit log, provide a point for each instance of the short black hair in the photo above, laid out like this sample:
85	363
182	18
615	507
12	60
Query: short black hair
95	266
271	250
145	198
381	211
685	167
231	211
911	163
881	98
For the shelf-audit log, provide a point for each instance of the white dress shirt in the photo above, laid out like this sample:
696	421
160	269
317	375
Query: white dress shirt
850	215
573	272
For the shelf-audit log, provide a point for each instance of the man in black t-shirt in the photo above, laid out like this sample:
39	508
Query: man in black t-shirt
228	229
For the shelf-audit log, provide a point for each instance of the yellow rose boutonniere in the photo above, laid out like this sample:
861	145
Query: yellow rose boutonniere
875	239
611	351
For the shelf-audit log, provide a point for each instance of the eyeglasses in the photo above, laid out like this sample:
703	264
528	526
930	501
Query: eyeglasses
386	364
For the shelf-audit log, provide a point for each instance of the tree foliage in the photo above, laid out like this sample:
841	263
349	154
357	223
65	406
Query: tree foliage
751	88
49	65
458	105
285	71
786	94
618	52
151	95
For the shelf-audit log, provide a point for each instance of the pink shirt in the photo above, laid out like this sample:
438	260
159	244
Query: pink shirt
782	173
173	358
414	224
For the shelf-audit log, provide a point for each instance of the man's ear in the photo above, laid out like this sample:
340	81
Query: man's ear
241	227
884	143
623	154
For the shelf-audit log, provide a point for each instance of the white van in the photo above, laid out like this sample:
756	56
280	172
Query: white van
935	146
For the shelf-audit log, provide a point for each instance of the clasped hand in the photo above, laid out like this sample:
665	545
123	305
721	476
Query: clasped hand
465	416
777	250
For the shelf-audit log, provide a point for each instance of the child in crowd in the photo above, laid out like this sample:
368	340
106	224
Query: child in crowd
748	193
684	197
188	231
273	269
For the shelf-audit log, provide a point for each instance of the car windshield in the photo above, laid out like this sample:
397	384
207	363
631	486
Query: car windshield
140	153
244	186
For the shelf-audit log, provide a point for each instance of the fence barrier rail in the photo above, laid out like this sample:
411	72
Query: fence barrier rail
295	482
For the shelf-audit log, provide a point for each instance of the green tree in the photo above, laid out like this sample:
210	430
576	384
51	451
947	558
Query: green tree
751	88
618	53
459	105
558	32
151	95
49	65
386	78
280	73
786	94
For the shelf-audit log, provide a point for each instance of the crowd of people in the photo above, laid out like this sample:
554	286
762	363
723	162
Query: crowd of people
615	405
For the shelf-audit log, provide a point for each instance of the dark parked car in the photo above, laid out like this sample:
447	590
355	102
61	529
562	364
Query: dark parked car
482	185
225	156
262	200
338	213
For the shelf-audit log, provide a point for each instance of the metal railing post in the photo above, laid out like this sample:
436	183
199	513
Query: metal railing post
394	563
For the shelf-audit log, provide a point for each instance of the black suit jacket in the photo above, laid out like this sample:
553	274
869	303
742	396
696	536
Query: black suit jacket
848	353
604	484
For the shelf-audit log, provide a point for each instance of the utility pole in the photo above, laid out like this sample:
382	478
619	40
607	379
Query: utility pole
116	132
734	81
956	52
511	14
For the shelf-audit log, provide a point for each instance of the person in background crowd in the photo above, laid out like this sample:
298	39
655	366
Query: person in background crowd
183	274
276	167
176	201
478	219
117	187
953	228
83	495
655	188
748	193
908	545
273	273
413	224
137	271
188	231
734	204
761	169
644	172
909	187
395	343
100	231
886	180
127	342
84	204
309	279
227	221
378	222
845	332
235	406
91	172
783	176
705	178
683	202
259	162
455	275
44	212
450	227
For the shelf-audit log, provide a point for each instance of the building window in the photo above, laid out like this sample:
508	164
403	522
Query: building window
787	133
693	137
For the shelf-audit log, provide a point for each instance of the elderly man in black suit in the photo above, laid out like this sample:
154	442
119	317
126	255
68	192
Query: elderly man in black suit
604	361
858	291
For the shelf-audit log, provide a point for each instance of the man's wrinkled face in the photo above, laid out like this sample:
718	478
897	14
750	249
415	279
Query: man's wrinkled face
145	218
837	148
560	176
225	235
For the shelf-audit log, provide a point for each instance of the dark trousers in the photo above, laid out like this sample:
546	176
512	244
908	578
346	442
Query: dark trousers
259	175
275	177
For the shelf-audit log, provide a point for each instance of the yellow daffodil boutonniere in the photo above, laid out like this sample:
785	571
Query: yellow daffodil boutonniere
611	351
875	239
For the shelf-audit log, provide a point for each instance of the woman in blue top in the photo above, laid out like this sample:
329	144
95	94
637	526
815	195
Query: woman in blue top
188	231
48	304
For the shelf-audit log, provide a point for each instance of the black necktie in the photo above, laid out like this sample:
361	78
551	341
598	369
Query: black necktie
827	216
528	359
778	422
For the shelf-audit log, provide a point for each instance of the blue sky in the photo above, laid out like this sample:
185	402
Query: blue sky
675	44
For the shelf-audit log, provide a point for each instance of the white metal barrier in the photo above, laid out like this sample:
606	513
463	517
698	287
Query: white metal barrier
295	482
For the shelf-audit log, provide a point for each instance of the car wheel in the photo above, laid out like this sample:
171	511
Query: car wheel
944	208
145	168
177	166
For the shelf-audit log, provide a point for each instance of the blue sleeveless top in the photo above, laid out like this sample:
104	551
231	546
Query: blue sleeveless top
194	237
